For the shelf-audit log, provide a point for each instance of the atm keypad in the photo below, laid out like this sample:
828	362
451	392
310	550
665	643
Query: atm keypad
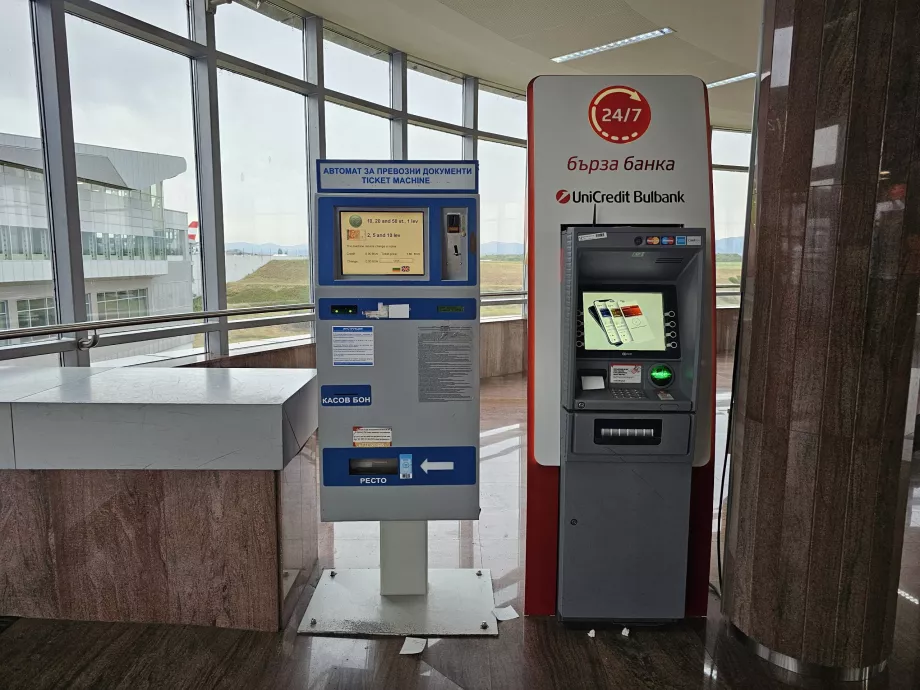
627	393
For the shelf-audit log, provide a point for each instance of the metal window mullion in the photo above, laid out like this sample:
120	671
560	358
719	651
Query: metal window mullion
315	104
207	149
60	166
471	118
399	101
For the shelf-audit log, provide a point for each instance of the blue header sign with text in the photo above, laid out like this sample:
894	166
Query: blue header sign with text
389	177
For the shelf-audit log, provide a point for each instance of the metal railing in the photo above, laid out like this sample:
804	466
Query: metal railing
91	334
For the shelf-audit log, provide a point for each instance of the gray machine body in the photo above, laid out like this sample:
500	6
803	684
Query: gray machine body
394	378
626	453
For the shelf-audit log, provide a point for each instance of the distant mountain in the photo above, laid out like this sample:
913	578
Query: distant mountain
730	245
267	248
501	248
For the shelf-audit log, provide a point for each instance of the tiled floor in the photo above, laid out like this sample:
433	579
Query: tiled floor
530	653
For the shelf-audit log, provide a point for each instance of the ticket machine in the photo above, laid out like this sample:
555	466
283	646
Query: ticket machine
632	317
397	358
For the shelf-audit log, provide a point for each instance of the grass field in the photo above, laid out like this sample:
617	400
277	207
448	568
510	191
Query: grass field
281	281
501	274
728	272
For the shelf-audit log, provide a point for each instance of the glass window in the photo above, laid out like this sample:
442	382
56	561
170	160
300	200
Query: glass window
731	148
435	94
171	15
4	321
122	304
36	312
268	36
432	144
264	172
730	190
356	69
25	241
351	133
502	112
133	124
502	186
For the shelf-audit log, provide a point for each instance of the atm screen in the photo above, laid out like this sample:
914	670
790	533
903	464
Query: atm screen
621	321
378	242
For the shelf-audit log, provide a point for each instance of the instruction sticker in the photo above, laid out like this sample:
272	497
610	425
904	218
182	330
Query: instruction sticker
625	373
592	236
352	346
405	466
371	436
445	364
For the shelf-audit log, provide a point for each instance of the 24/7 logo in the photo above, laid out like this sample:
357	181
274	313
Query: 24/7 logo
563	196
619	114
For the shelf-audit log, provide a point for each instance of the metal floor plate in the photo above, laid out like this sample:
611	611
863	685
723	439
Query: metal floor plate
458	602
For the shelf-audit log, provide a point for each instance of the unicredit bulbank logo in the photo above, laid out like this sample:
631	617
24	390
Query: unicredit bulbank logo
563	196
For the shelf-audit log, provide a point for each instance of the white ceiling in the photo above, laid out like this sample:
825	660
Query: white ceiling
509	42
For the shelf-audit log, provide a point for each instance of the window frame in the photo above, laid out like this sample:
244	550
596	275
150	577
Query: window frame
68	247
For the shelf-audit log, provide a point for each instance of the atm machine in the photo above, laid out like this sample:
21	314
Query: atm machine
632	319
397	358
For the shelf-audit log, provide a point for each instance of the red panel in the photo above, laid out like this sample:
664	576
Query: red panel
542	482
701	487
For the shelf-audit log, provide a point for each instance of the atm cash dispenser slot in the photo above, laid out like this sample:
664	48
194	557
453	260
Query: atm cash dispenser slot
627	432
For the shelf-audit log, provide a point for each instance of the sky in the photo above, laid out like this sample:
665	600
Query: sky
128	94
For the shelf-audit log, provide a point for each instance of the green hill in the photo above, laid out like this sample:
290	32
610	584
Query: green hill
280	281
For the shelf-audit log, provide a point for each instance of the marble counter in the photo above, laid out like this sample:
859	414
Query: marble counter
184	496
155	419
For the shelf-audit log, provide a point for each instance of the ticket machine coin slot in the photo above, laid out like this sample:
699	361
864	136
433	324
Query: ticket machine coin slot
376	466
456	246
627	432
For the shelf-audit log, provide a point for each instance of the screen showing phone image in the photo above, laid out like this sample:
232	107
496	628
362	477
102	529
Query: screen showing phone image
624	321
607	323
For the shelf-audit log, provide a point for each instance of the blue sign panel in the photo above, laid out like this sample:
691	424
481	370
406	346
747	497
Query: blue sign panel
433	466
345	396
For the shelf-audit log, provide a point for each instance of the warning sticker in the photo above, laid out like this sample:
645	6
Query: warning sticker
625	373
352	346
445	364
371	436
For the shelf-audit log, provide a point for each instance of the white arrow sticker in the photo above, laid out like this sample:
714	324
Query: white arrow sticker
427	465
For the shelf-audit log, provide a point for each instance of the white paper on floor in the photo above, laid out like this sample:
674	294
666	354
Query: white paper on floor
506	613
590	633
413	645
625	632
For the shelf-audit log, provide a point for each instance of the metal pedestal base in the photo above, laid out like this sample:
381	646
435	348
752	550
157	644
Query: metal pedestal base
458	602
807	668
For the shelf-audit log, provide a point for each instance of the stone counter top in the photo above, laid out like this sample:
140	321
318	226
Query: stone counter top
154	419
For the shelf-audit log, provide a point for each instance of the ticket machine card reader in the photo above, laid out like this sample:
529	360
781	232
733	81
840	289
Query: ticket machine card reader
631	325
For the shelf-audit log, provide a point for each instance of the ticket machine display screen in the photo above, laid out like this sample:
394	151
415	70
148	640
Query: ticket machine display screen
375	243
622	321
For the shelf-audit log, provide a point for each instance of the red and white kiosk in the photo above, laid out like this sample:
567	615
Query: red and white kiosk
630	157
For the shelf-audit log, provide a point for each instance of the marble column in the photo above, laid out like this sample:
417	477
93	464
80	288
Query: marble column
830	302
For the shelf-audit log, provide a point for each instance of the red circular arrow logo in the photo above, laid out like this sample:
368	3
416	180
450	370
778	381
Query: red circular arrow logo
619	114
563	197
